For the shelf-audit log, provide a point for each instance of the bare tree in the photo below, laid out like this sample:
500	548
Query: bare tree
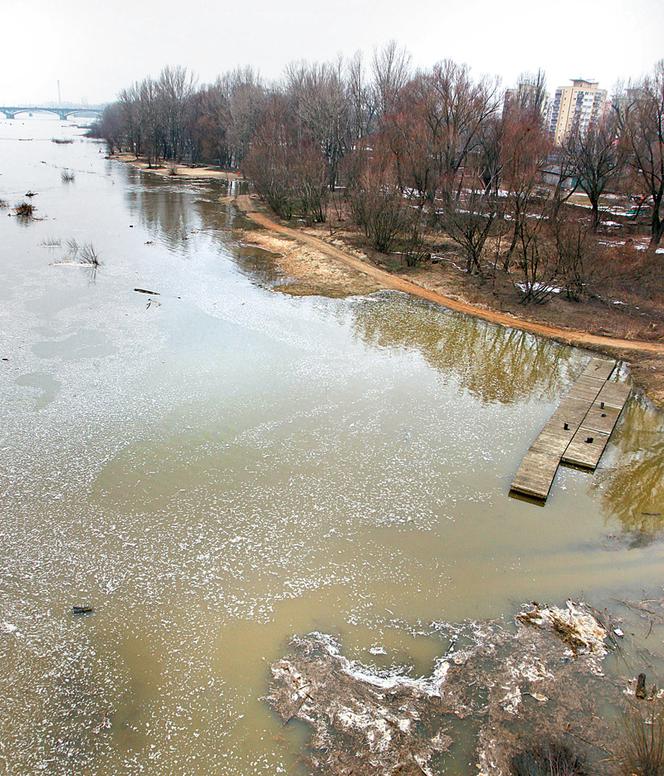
596	160
469	223
361	99
391	71
525	153
287	167
175	87
376	201
319	99
640	113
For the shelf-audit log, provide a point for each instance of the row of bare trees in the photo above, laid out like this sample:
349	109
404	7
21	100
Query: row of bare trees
411	153
171	118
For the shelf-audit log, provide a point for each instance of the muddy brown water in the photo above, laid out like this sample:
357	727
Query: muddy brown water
221	466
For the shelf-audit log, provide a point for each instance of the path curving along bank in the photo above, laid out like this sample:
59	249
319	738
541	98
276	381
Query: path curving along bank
396	283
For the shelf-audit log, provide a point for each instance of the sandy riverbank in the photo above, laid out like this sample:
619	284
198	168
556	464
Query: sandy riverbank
168	170
336	268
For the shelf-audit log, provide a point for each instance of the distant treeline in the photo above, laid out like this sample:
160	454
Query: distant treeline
411	150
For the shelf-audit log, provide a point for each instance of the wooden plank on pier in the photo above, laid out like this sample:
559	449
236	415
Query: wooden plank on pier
614	395
599	368
586	389
538	467
590	441
601	419
536	473
586	448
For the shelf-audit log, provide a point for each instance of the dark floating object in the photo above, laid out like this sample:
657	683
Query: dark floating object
82	609
145	291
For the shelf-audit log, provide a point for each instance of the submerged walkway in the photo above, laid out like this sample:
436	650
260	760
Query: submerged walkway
577	432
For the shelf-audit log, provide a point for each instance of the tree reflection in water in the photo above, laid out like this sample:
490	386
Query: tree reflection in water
493	363
163	208
632	484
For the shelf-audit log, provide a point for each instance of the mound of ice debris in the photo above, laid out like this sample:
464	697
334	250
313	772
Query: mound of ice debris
544	675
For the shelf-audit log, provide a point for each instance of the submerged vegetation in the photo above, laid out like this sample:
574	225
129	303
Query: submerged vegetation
51	242
24	210
641	743
84	253
549	758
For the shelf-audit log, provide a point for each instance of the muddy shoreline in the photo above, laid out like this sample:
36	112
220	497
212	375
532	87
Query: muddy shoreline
175	171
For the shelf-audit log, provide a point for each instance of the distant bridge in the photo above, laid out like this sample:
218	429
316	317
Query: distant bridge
11	111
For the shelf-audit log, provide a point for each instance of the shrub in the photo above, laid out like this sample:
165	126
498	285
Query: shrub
548	759
641	745
25	210
67	176
380	210
89	255
84	254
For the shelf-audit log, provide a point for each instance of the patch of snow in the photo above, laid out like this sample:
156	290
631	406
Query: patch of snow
539	287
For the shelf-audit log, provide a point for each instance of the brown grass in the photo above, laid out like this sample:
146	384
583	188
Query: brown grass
25	210
549	758
641	747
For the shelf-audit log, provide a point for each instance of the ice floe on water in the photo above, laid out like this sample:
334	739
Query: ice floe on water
542	673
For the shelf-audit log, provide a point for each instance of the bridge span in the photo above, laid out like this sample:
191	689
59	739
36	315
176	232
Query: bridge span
11	111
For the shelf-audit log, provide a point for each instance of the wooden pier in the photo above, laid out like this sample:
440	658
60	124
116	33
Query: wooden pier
577	432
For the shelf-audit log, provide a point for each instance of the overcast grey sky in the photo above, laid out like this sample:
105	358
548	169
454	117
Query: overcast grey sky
95	47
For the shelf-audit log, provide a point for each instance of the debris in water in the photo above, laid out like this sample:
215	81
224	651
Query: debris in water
145	291
384	722
82	609
576	626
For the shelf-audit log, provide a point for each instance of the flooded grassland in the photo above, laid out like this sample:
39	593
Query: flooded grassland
216	467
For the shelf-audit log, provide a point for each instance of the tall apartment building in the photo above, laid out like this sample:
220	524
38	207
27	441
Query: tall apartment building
575	107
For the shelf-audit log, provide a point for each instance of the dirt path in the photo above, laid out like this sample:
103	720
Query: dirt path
396	283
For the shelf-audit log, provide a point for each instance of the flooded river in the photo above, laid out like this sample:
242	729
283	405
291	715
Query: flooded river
220	466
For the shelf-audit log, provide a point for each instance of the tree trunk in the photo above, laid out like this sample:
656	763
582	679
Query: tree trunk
656	225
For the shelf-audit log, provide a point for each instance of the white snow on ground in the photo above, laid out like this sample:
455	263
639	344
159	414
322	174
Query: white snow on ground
539	287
